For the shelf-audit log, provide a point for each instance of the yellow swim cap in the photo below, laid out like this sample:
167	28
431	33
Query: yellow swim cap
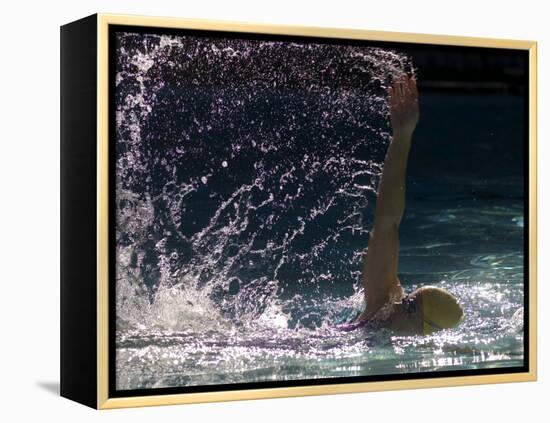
439	309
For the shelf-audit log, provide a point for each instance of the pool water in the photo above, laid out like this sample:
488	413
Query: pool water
487	279
242	211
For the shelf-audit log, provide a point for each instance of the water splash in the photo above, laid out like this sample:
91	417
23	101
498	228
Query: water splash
243	168
245	174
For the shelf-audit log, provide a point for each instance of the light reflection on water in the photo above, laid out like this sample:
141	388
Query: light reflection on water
238	245
490	336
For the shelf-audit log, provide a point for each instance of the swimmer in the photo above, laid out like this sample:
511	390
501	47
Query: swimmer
427	309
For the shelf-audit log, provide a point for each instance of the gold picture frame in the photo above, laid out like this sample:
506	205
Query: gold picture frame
76	383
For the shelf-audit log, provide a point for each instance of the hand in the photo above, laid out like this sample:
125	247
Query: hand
403	103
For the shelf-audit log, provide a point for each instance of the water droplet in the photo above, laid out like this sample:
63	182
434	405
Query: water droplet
224	163
234	287
204	180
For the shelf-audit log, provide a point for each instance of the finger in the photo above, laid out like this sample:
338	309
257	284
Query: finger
413	87
405	85
391	96
407	88
398	89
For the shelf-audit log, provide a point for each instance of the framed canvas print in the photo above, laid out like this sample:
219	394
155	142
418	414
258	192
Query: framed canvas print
256	211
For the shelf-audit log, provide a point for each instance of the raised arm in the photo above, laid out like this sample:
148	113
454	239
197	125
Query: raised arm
380	279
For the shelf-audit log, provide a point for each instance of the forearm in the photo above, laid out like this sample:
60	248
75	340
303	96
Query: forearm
390	204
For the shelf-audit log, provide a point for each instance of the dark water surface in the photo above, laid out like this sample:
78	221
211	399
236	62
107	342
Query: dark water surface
246	181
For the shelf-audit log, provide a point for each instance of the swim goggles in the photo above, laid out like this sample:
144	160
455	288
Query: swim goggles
411	306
